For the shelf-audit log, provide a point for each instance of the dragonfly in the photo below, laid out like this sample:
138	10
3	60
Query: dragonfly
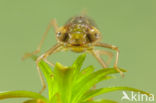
79	34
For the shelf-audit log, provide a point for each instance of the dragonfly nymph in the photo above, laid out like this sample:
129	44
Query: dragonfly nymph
79	34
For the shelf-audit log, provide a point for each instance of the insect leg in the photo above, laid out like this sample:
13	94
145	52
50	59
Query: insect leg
44	57
54	25
109	54
117	54
97	56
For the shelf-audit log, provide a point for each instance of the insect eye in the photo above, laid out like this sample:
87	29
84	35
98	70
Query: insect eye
89	38
65	37
96	35
58	34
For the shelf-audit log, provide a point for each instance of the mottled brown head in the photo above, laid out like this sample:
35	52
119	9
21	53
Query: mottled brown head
78	31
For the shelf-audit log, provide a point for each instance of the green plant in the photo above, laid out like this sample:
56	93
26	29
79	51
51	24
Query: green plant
71	84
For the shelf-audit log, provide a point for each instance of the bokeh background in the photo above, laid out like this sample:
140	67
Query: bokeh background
129	24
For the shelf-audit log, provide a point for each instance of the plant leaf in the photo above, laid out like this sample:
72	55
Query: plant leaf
85	72
56	98
22	94
78	64
64	79
31	101
48	73
101	101
34	101
93	93
85	84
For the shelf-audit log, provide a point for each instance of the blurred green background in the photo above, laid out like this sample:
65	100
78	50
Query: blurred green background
128	24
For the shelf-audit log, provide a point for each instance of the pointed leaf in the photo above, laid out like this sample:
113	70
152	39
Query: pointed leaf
85	72
93	93
48	73
56	98
101	101
63	78
35	101
31	101
85	84
22	94
78	64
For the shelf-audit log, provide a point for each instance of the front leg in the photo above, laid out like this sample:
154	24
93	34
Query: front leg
51	24
97	56
117	54
43	57
107	53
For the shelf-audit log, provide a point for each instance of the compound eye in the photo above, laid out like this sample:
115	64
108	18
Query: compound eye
63	37
58	34
96	35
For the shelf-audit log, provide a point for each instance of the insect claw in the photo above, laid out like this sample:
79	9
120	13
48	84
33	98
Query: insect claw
118	70
26	55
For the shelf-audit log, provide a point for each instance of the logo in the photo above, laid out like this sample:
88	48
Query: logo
137	97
